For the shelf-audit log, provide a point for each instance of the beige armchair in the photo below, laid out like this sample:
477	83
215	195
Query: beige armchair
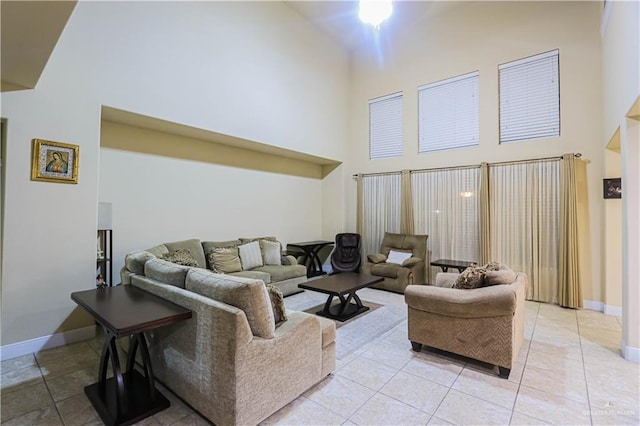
485	323
397	271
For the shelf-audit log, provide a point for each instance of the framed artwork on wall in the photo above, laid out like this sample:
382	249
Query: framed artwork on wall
613	188
54	161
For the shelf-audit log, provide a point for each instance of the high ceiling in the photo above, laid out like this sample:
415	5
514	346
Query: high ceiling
340	18
30	30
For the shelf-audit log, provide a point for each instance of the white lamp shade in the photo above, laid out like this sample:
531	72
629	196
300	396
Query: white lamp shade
104	216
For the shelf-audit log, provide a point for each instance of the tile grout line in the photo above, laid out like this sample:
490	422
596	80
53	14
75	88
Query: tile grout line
584	370
526	358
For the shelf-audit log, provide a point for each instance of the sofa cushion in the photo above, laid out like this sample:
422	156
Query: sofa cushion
397	257
208	246
271	252
181	257
472	277
388	270
283	272
250	240
224	260
277	304
254	275
134	261
193	245
166	272
158	250
250	255
249	295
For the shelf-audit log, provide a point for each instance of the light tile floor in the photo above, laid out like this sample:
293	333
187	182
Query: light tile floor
569	371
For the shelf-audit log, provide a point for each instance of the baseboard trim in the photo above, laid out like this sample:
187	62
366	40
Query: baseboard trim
46	342
593	305
613	310
601	307
630	353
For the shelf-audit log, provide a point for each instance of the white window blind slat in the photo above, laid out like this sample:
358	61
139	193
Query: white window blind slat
448	115
530	98
385	127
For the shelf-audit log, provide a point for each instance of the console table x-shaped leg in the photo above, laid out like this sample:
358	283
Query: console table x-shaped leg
126	397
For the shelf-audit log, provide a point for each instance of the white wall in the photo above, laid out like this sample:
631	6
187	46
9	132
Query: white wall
255	70
471	36
621	88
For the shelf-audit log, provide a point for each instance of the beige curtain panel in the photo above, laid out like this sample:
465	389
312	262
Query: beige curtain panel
569	284
406	206
485	215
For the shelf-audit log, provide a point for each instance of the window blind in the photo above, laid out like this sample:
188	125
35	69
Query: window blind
385	127
448	113
530	98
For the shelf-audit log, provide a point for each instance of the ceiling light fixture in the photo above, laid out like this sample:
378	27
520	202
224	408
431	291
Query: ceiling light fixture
375	11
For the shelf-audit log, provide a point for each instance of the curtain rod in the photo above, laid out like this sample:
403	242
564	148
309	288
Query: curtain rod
577	155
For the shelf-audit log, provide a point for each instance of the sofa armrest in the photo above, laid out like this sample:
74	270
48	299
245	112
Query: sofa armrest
288	260
484	302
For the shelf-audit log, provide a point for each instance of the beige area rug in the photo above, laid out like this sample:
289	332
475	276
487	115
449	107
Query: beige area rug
356	332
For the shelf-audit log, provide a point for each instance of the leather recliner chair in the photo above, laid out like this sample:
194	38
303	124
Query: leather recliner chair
346	255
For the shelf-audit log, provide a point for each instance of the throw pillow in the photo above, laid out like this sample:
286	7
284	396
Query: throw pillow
377	258
397	257
224	260
277	304
180	257
270	252
492	266
472	277
250	255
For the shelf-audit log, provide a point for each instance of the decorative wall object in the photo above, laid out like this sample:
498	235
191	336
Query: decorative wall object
613	188
54	161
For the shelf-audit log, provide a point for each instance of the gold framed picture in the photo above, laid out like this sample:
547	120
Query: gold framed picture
54	161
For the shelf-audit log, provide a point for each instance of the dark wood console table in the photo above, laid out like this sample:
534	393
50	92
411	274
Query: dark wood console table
445	264
125	310
310	250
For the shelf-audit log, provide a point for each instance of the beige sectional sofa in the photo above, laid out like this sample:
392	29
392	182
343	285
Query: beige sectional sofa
230	361
283	272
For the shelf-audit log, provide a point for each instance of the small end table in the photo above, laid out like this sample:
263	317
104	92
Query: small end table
310	250
125	310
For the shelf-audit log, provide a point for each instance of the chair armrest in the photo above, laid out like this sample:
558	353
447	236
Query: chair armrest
446	279
411	262
376	258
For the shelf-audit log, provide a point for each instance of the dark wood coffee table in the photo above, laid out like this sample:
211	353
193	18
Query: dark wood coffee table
125	310
339	285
